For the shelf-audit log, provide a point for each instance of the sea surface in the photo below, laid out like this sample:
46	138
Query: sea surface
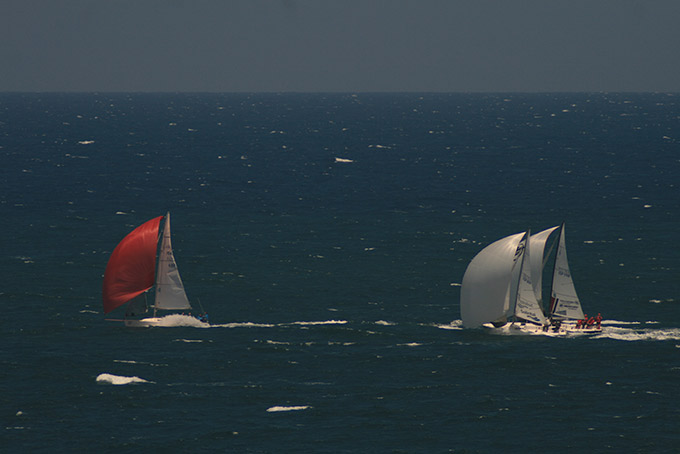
327	236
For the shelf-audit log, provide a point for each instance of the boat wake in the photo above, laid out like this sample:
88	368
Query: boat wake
638	331
119	380
174	320
275	325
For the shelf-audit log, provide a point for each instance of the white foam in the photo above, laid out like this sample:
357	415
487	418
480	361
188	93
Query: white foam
181	320
384	323
86	142
325	322
280	408
454	325
126	361
119	380
343	160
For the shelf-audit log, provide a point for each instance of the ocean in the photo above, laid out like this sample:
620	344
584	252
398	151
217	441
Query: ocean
327	236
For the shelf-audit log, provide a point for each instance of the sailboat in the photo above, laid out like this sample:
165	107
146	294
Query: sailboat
132	271
502	286
565	306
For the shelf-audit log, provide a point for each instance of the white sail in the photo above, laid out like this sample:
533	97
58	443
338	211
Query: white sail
538	242
526	306
170	293
486	290
564	301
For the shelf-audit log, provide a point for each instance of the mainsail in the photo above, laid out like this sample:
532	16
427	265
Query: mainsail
527	306
537	261
170	294
564	302
131	268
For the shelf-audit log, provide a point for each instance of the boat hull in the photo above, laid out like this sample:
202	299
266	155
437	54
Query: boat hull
566	329
167	321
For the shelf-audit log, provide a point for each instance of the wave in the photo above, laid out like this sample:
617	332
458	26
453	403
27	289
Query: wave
454	325
280	408
119	380
326	322
128	361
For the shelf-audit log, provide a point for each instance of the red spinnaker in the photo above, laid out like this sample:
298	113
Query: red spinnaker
132	266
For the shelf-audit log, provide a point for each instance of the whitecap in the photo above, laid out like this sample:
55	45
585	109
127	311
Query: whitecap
127	361
384	323
343	160
281	408
119	380
86	142
326	322
454	325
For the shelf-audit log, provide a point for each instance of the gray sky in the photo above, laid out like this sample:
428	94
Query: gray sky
340	45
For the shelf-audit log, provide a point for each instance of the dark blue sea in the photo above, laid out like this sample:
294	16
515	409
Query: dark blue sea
327	236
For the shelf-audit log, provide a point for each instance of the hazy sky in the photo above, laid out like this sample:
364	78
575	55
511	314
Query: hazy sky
340	45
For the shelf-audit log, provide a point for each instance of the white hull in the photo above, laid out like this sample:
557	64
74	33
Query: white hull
566	329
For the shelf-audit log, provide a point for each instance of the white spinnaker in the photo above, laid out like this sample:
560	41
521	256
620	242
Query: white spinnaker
538	242
485	292
170	294
527	306
565	301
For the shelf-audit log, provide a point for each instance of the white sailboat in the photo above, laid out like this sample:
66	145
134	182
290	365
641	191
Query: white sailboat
132	271
565	306
502	286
